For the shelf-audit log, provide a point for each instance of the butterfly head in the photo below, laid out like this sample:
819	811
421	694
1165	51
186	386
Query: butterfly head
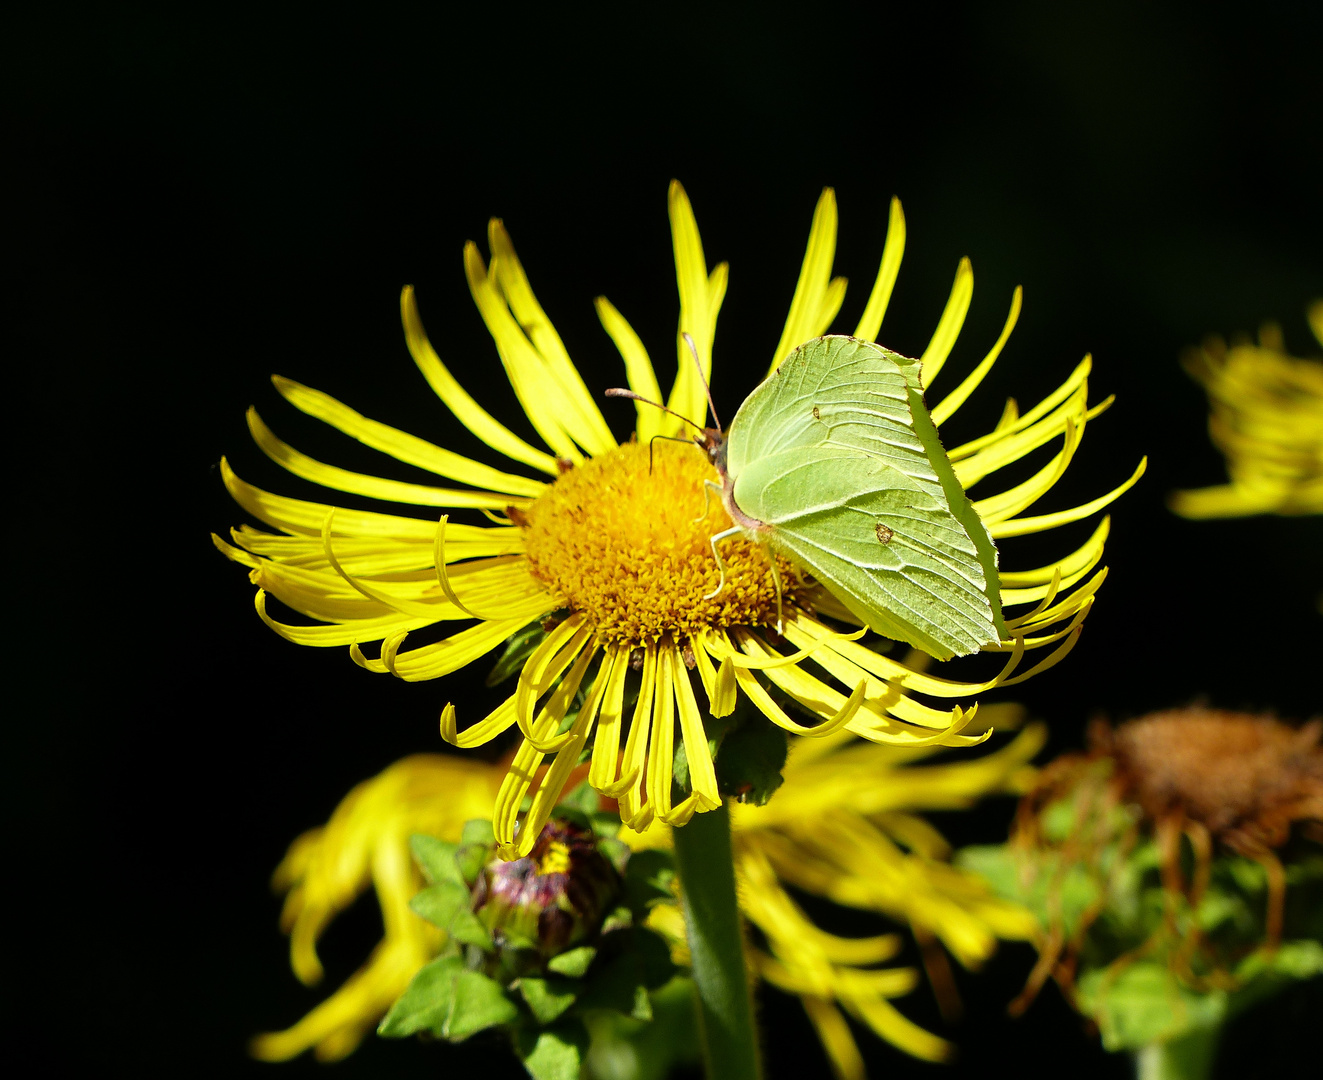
713	443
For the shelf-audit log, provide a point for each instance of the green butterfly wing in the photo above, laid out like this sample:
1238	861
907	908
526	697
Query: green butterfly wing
836	454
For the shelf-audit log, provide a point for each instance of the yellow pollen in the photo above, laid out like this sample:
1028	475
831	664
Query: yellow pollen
556	860
630	548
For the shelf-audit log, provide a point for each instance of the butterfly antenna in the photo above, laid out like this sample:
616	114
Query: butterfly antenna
693	350
620	391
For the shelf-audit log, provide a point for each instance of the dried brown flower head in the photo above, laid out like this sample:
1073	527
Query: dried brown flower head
1246	779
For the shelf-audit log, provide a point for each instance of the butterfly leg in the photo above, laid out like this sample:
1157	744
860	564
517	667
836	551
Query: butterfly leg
709	486
733	531
776	581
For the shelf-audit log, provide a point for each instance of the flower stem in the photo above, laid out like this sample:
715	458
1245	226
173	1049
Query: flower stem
1190	1057
716	944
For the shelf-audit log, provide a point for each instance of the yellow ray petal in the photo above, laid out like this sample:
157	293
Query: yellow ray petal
494	723
1013	422
603	773
632	813
948	327
556	652
859	658
834	1034
814	279
947	407
374	487
698	315
298	516
1008	503
661	750
639	372
702	775
1025	526
402	446
892	253
553	784
442	657
469	413
519	776
543	401
585	421
373	629
1079	561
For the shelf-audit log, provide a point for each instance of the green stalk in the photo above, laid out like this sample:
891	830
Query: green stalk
716	943
1190	1057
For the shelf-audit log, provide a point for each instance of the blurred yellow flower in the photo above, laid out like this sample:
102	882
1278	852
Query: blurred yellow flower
366	842
1267	419
610	546
845	827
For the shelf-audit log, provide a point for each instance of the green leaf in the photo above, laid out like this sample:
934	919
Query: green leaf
555	1053
518	648
478	1003
1035	880
478	831
616	852
606	823
640	961
425	1005
583	798
470	859
574	962
548	998
625	1049
618	918
1145	1003
439	903
1264	974
649	876
467	928
435	857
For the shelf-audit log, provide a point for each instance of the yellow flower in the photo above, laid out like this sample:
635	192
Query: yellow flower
366	842
846	827
1267	419
610	544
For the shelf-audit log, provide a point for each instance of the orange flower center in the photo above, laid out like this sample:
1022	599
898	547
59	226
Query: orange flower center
630	546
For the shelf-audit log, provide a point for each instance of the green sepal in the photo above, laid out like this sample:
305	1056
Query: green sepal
548	998
750	760
554	1053
518	648
446	905
436	858
574	962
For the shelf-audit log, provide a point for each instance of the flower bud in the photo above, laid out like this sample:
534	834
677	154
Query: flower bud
551	900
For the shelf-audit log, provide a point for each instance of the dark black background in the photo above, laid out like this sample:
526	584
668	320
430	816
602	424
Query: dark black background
204	197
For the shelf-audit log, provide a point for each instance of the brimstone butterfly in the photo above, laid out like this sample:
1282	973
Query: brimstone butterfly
834	463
